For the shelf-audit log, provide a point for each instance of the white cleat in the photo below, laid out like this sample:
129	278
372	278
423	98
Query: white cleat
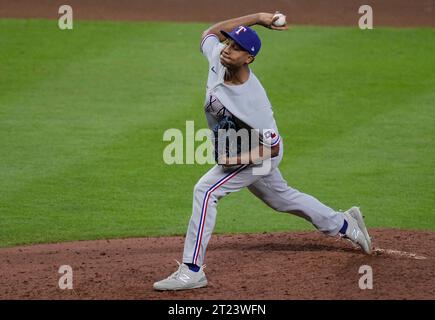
355	212
356	230
182	279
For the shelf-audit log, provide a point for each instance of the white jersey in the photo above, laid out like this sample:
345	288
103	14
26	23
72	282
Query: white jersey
214	107
247	102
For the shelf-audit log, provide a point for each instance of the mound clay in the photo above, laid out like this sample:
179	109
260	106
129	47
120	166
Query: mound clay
279	266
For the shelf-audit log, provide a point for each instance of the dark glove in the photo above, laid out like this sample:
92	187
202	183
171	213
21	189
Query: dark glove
227	144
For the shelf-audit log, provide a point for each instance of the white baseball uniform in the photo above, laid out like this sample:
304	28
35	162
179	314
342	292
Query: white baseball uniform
247	102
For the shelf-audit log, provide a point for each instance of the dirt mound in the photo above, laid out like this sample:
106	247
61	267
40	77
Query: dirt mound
303	265
402	13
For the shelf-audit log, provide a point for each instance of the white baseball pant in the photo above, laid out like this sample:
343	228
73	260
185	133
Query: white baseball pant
270	188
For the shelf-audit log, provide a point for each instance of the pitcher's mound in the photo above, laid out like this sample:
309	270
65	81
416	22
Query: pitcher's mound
303	265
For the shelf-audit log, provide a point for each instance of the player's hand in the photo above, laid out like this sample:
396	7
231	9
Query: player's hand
267	19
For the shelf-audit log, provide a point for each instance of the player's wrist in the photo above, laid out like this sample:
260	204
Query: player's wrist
261	18
265	19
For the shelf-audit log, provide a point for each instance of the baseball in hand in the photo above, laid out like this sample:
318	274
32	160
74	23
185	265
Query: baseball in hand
280	21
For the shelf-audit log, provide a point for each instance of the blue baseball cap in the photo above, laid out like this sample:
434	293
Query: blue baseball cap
246	38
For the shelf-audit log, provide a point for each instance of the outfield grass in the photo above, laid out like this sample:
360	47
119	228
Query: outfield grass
82	116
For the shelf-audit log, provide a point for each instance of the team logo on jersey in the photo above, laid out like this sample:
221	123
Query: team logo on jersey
269	136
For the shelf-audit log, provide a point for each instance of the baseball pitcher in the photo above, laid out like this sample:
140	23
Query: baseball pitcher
235	98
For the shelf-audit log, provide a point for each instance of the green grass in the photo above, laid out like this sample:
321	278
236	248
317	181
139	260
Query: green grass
82	116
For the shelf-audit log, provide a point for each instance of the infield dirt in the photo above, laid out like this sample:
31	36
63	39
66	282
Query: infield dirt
301	265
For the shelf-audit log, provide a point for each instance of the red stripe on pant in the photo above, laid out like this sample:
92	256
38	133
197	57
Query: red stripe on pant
196	254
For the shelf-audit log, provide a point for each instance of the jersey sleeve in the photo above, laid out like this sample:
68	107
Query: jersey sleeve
269	138
208	44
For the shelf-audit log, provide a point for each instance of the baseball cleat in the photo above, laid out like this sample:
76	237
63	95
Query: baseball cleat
182	279
354	233
355	212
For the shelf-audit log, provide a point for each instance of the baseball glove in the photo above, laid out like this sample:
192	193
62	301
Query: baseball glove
225	143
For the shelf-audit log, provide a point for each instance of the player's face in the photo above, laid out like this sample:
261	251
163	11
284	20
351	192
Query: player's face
233	56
